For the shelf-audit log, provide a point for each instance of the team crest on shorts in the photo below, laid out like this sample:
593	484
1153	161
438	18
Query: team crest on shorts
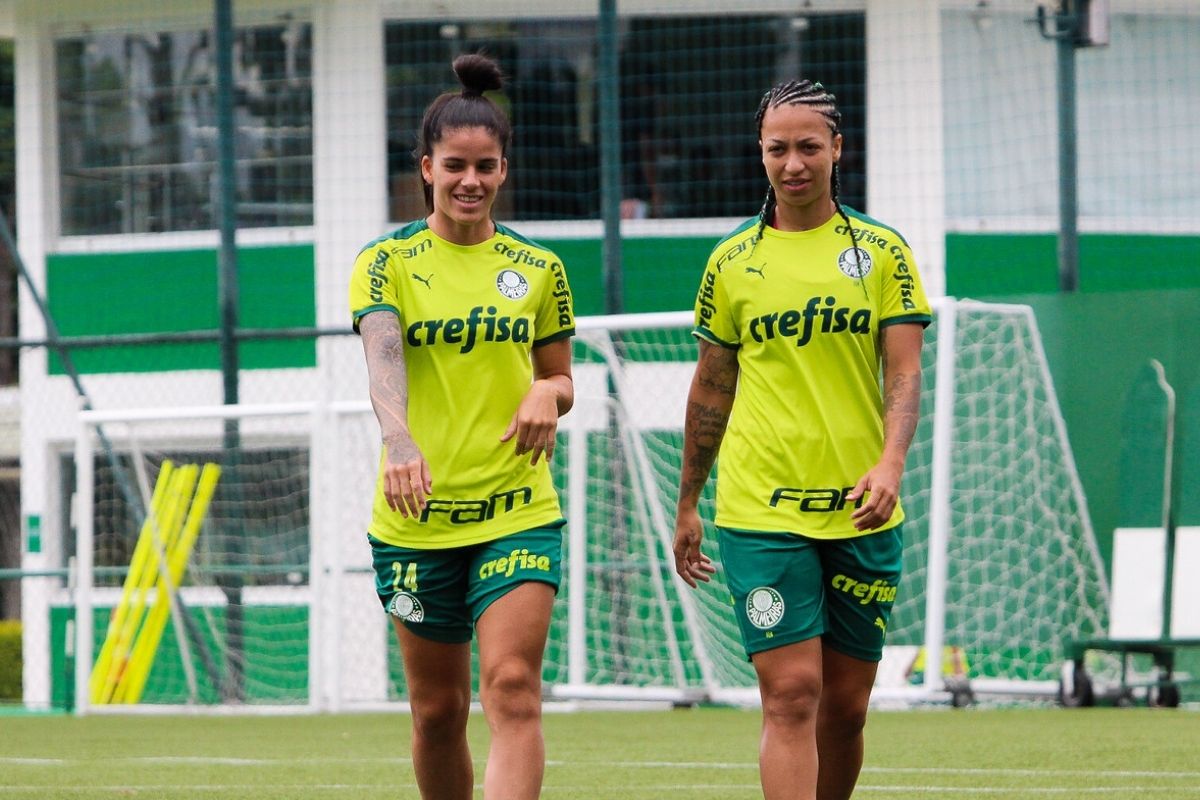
512	284
764	607
406	607
854	262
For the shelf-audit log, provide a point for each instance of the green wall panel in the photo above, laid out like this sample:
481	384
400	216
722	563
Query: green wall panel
658	274
980	265
1115	261
1187	453
1144	435
171	291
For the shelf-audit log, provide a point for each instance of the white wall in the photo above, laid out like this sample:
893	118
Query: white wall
1137	101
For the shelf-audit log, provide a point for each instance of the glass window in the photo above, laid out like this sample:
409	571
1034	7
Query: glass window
689	88
138	130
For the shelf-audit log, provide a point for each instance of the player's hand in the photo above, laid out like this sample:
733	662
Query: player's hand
881	485
536	422
407	482
691	564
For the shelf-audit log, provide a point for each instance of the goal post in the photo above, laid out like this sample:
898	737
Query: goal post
240	592
277	610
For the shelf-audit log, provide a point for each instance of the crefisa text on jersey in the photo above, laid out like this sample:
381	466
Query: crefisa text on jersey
833	319
378	277
904	276
562	295
705	298
466	332
521	256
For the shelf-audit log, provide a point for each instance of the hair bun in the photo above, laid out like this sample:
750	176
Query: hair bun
477	73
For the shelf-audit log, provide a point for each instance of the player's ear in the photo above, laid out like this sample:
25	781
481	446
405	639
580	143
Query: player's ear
503	169
427	169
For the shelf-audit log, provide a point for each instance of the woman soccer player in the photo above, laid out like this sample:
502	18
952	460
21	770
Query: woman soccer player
466	326
796	311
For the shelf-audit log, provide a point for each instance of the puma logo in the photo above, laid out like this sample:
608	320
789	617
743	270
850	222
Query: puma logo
880	624
424	280
758	272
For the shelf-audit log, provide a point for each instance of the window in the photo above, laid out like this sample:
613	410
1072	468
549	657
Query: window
689	88
138	130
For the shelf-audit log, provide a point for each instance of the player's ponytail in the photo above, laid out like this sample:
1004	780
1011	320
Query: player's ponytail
469	108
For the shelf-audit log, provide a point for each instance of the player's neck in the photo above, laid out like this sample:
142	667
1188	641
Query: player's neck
465	234
803	218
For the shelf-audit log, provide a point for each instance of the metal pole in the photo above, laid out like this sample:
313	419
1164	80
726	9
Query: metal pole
233	689
1171	497
609	88
227	280
1068	210
610	155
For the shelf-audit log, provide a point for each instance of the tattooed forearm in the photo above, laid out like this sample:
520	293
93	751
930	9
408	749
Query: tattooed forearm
901	389
703	430
705	425
384	349
709	404
901	409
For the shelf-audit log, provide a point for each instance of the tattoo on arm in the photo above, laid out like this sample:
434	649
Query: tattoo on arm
708	409
717	369
901	387
901	408
703	431
384	349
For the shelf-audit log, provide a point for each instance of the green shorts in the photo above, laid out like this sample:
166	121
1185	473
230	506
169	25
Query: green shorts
787	588
440	594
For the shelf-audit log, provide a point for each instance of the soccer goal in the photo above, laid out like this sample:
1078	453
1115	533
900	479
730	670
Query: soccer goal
262	597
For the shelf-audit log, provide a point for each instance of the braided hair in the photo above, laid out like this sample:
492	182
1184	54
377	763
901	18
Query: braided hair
815	96
466	109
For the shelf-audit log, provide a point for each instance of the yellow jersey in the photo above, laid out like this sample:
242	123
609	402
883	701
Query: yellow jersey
470	317
804	310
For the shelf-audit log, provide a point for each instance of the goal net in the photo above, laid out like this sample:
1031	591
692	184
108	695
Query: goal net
276	605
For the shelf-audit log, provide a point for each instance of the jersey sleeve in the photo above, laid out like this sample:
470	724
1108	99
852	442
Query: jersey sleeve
373	283
903	295
714	314
556	314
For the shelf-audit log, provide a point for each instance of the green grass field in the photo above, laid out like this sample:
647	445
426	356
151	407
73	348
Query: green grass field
999	754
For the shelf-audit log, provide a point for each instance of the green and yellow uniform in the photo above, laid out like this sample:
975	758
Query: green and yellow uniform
804	311
470	317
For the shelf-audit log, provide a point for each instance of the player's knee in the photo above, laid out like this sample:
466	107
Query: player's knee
842	720
511	690
440	716
792	698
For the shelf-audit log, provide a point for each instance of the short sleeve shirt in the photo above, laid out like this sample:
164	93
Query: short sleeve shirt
804	310
470	317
